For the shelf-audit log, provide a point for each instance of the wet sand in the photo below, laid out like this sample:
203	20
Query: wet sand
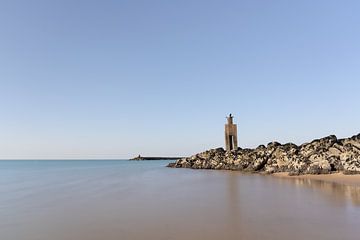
115	200
340	178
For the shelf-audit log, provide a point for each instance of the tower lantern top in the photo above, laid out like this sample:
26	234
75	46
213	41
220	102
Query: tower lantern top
230	119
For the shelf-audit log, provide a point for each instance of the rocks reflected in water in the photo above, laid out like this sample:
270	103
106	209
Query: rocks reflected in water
334	191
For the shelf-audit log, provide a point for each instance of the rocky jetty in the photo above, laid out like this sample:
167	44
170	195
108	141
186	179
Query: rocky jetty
321	156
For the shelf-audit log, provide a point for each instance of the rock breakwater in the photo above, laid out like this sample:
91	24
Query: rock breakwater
321	156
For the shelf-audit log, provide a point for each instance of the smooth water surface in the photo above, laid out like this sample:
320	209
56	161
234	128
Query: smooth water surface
129	200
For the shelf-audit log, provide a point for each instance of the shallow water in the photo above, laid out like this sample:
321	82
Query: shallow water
60	200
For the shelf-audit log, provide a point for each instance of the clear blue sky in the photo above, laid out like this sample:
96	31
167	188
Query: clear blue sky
112	79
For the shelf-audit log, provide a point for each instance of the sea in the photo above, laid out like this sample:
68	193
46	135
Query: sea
145	200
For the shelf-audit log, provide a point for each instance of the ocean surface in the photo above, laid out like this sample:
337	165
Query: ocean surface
130	200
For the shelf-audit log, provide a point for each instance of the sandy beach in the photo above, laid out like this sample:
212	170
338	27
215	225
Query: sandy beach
137	200
340	178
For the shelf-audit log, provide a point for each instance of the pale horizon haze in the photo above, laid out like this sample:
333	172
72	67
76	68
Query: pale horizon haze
114	79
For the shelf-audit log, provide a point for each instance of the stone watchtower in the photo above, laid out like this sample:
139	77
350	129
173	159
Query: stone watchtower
230	134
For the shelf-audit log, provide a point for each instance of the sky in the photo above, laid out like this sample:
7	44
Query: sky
85	79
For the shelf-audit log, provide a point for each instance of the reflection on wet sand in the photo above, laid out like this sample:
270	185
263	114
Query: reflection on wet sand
234	203
136	201
335	192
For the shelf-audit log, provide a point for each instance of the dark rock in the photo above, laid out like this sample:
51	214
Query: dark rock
347	172
321	156
171	165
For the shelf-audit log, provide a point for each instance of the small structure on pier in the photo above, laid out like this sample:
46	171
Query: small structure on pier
230	134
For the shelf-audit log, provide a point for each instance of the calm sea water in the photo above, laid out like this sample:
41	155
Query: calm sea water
124	200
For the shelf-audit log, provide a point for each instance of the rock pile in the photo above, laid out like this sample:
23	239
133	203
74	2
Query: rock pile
321	156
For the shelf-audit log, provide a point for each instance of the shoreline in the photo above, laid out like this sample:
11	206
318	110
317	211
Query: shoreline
338	178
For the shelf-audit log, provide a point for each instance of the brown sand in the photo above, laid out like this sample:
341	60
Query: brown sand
124	200
340	178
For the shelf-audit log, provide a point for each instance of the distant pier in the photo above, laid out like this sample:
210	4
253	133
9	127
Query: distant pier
141	158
